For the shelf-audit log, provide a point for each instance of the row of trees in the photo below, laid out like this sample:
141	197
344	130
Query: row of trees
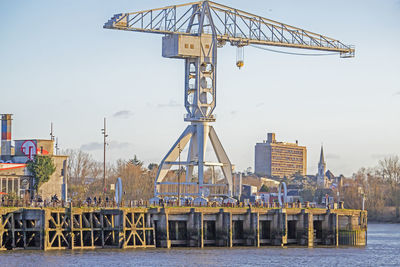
85	176
379	185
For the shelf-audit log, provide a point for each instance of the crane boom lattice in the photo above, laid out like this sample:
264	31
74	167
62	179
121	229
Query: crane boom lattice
229	25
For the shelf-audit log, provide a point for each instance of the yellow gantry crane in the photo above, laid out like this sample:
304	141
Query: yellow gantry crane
193	32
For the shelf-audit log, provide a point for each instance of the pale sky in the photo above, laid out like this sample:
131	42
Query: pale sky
57	64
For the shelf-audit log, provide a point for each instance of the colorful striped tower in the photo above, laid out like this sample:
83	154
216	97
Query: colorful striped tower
6	134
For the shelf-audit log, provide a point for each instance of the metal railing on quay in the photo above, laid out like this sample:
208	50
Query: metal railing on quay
146	204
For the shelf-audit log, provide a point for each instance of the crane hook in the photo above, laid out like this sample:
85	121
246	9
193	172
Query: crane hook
240	57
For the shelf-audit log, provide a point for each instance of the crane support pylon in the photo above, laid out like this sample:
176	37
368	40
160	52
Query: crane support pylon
193	32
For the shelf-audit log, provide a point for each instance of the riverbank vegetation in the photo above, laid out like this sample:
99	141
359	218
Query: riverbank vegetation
379	185
85	177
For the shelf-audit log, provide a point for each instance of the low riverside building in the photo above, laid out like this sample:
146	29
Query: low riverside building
279	159
15	179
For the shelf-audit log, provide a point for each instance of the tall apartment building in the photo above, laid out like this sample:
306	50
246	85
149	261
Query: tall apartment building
279	159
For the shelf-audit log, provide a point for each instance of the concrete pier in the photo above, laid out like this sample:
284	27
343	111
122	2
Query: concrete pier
89	228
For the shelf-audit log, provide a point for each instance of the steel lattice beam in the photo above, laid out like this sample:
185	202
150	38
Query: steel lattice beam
231	25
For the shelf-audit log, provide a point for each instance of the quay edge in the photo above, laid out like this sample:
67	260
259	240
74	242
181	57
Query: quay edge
89	227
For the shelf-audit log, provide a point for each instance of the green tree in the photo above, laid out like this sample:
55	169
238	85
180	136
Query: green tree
41	167
264	188
152	166
135	161
307	194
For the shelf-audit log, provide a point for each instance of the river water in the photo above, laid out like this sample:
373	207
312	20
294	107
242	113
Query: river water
383	249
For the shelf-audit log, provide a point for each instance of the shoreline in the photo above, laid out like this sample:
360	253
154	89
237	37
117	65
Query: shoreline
384	221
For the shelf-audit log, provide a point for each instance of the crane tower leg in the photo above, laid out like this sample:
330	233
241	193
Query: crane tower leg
195	137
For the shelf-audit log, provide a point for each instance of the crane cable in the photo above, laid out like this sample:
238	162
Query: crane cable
291	53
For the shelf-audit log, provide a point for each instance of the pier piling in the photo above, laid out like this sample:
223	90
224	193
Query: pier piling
55	228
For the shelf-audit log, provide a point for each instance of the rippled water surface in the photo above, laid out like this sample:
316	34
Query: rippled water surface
383	249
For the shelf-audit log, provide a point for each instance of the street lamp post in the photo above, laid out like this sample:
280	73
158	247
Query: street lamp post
179	174
105	135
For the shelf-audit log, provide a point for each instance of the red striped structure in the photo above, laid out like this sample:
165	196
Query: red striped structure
6	134
6	127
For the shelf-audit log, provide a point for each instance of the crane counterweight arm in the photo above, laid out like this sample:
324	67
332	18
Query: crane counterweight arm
228	24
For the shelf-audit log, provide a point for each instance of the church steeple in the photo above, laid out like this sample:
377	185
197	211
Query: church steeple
321	169
321	158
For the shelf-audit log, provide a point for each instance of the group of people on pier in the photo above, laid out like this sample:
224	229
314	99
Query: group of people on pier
96	200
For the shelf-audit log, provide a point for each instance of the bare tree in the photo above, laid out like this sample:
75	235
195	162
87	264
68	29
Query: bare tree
80	168
389	169
138	181
378	189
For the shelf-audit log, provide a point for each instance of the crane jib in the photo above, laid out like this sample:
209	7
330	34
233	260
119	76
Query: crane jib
227	24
